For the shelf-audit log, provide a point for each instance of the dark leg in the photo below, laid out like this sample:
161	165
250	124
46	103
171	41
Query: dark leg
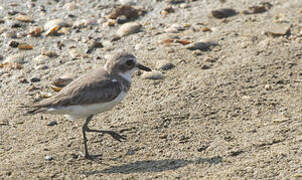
113	134
85	129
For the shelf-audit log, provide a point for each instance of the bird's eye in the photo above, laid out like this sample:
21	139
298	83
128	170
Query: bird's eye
130	62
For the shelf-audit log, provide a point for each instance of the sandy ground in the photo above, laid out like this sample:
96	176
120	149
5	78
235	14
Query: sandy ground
231	112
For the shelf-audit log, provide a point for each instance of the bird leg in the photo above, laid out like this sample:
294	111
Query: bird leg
85	129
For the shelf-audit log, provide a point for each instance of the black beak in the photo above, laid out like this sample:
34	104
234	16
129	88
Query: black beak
142	67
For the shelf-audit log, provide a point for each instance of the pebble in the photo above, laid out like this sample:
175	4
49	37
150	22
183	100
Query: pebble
107	43
128	11
70	6
127	2
13	44
223	13
35	31
276	30
153	75
92	45
164	65
41	67
49	53
56	22
18	58
63	80
174	28
52	123
48	158
202	45
35	79
10	34
41	59
25	46
129	28
24	18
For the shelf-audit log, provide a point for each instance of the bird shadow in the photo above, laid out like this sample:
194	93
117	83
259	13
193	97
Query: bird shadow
154	166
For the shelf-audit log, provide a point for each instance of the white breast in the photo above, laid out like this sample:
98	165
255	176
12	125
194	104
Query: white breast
83	111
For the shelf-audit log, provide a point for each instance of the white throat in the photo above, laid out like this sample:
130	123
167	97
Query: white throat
127	75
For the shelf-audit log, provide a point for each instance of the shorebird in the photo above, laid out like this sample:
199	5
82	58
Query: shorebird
94	92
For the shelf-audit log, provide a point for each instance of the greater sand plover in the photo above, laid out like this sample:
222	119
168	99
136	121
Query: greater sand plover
94	92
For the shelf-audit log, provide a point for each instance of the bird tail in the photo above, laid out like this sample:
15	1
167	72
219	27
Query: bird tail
31	109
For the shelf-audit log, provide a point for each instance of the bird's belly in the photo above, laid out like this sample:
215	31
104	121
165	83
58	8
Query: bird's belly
81	111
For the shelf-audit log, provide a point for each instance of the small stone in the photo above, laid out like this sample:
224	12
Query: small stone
223	13
52	123
70	6
205	66
41	59
34	79
122	20
10	34
56	22
25	46
92	45
63	80
202	45
107	43
261	8
19	58
24	18
35	31
128	11
175	1
13	44
174	28
276	30
48	158
165	65
52	30
15	25
268	87
153	75
49	53
129	28
41	67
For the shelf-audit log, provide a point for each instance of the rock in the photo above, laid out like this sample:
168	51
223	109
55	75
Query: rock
202	45
24	18
41	59
92	45
10	34
174	28
52	123
49	53
25	46
56	22
35	79
107	43
276	30
127	2
128	11
261	8
13	44
129	28
63	80
153	75
223	13
164	65
35	31
48	158
18	58
175	1
70	6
